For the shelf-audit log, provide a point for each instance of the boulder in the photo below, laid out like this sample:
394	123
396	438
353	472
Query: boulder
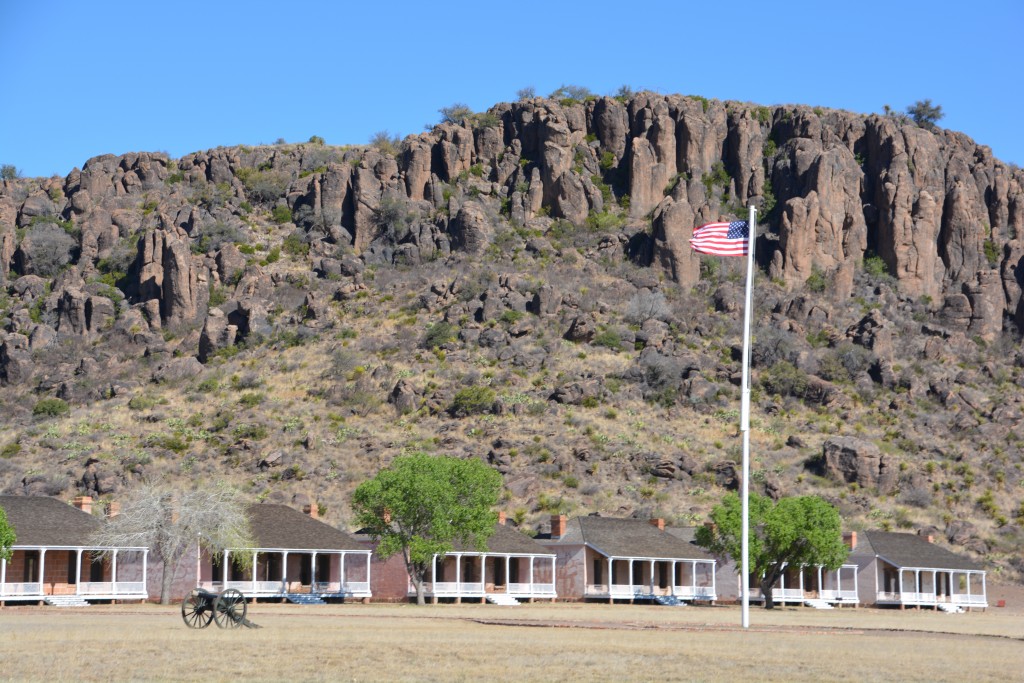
852	460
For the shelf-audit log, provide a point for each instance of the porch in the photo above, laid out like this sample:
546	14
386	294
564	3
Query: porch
92	573
273	573
461	576
631	578
929	587
799	584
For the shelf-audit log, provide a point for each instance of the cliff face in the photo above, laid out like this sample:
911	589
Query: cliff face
536	221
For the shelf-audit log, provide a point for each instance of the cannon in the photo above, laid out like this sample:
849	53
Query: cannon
227	608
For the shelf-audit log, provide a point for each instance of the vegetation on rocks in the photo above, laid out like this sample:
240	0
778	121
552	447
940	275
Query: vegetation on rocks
516	287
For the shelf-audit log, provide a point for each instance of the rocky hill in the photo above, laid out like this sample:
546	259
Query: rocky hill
517	286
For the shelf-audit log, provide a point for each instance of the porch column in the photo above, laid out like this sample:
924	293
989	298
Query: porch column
483	577
42	561
312	573
782	587
254	568
610	565
821	588
917	585
693	578
113	574
458	579
935	586
983	592
714	587
145	562
3	575
672	587
433	575
508	580
802	582
629	576
284	572
224	569
652	577
554	581
341	573
967	576
78	572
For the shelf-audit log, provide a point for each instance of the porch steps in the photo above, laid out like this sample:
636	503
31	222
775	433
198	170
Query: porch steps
304	599
818	604
949	609
669	600
500	599
65	601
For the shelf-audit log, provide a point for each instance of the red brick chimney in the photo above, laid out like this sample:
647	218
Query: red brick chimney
658	522
558	526
83	503
113	508
312	510
850	539
501	518
927	537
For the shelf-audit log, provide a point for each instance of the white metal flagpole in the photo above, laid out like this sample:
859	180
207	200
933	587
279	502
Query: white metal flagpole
745	421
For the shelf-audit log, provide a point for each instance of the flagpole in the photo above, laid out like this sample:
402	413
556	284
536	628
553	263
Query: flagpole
745	421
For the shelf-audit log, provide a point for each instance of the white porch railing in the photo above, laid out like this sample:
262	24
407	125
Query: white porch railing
964	599
838	595
19	589
694	592
531	589
912	598
111	588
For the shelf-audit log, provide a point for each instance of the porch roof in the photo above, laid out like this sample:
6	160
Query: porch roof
614	537
40	521
279	526
910	550
507	541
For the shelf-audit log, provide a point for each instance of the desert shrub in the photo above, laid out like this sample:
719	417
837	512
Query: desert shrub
647	305
472	401
170	442
608	338
264	186
527	93
51	407
392	218
251	431
9	172
875	267
48	249
10	450
251	399
214	236
438	334
455	113
785	379
816	281
924	113
845	362
385	142
281	214
295	244
316	140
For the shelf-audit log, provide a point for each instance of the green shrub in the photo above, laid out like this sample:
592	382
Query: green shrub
10	450
512	317
816	281
141	402
785	379
875	266
170	442
991	253
473	401
609	338
281	214
295	245
51	407
251	399
438	334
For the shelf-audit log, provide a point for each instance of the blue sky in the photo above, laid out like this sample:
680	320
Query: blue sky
83	78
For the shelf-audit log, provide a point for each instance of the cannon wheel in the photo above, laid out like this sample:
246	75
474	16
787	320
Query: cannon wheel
196	612
229	609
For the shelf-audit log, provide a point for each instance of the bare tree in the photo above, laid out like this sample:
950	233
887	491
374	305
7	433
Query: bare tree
171	522
646	305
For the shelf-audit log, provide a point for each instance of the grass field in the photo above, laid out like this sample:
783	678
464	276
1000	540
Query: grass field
563	642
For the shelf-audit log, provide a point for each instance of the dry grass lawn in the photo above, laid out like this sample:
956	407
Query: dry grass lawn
564	642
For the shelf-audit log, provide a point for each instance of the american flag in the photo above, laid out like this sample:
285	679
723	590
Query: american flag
721	239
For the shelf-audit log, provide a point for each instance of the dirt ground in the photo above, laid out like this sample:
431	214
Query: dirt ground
539	642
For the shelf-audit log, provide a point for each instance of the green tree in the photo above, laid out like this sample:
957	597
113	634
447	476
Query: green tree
924	113
9	172
799	531
421	504
7	537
